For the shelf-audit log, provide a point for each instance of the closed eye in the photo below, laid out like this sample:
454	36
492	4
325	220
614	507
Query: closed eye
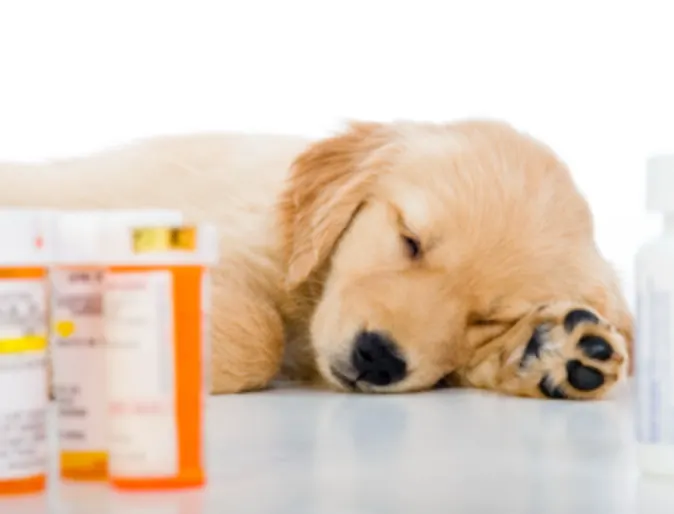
412	247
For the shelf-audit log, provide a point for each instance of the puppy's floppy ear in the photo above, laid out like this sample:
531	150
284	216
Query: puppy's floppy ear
327	184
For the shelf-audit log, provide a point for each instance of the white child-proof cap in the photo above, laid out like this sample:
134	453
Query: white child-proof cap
26	237
660	183
79	235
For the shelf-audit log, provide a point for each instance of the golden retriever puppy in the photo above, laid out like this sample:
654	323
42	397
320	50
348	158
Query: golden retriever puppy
385	259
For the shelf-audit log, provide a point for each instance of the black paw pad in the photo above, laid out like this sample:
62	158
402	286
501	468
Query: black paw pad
549	390
595	347
533	347
577	316
582	377
443	383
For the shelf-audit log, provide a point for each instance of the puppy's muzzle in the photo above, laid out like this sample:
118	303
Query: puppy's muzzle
376	359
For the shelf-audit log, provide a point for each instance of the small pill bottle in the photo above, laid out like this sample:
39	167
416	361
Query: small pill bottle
156	298
654	341
25	255
77	341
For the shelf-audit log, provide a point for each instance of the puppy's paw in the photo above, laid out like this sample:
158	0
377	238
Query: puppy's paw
572	354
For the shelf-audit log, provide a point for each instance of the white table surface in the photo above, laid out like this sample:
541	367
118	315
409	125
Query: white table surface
300	451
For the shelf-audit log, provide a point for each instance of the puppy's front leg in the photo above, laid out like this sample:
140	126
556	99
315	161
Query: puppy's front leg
561	351
247	336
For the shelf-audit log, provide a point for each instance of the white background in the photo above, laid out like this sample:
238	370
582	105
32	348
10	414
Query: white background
594	79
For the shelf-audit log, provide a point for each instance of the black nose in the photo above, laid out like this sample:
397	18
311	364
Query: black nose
376	359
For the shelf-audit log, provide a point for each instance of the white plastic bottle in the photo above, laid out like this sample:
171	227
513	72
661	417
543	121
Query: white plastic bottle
77	336
654	345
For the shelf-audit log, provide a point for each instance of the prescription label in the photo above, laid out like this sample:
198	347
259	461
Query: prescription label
79	365
23	378
141	360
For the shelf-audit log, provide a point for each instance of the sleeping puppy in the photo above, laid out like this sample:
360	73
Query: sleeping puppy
385	259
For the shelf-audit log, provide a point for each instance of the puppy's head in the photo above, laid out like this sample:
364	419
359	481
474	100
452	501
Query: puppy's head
415	243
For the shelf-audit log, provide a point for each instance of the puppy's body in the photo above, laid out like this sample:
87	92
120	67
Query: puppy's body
316	264
232	180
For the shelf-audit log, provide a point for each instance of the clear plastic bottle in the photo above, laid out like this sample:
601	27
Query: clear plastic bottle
654	346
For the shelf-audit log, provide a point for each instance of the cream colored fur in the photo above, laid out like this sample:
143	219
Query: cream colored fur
312	248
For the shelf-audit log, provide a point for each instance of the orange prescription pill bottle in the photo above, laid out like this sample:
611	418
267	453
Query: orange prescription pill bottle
24	261
156	299
77	339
